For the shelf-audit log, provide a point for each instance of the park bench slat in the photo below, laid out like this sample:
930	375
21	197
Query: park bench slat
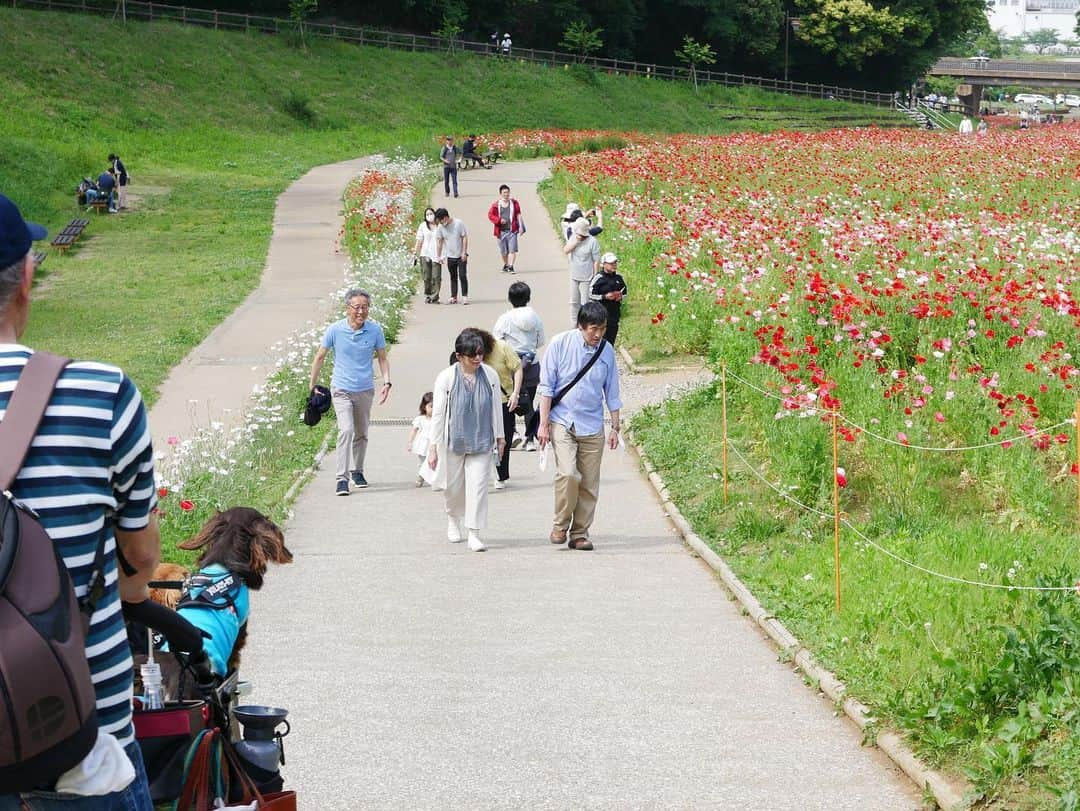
39	257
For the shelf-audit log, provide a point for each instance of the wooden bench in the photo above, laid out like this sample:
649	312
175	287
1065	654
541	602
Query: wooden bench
472	160
100	205
66	238
39	258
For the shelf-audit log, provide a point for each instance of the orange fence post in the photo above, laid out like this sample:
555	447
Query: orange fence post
723	423
836	509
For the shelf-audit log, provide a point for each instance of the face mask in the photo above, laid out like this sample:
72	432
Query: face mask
431	218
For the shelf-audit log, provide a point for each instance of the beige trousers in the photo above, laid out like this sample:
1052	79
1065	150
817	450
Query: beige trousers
577	479
353	411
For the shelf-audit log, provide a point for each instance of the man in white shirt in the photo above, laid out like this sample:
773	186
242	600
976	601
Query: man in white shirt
584	252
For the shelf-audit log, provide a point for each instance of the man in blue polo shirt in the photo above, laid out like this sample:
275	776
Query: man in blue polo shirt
575	425
355	340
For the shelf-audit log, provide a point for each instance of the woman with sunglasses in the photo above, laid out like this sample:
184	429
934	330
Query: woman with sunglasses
467	429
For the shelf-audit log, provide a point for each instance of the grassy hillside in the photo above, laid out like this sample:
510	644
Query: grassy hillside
213	126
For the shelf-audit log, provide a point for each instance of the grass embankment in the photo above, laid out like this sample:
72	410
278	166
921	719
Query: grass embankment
925	287
213	126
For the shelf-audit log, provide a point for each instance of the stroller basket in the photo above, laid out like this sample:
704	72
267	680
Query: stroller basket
164	736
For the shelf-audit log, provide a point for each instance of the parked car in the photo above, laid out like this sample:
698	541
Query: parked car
1072	100
1033	98
979	58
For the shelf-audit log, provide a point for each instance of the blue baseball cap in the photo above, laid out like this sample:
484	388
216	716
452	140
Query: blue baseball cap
16	234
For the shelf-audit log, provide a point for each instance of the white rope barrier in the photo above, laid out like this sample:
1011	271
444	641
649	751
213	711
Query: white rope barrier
940	575
956	449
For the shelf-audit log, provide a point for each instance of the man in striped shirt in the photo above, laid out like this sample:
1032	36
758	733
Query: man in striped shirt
89	476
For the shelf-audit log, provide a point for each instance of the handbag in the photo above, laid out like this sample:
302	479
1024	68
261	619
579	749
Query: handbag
249	792
215	774
581	373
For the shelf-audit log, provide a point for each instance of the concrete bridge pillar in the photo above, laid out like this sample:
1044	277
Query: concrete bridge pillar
970	96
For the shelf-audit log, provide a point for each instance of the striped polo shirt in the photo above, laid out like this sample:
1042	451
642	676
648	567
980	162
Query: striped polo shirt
90	469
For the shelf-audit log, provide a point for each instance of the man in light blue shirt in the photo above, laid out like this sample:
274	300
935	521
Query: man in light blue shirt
355	341
575	424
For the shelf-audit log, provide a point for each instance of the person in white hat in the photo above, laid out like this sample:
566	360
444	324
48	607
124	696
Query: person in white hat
609	289
584	252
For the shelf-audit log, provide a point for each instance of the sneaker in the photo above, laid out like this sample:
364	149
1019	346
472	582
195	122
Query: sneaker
358	478
517	441
464	299
530	445
506	269
453	300
475	544
453	531
342	488
500	484
419	481
510	269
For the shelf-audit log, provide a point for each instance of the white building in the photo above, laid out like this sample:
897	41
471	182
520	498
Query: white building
1015	17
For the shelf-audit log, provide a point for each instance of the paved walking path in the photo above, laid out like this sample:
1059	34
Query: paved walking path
303	267
421	675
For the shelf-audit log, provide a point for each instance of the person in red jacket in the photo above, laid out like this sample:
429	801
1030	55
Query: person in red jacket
505	215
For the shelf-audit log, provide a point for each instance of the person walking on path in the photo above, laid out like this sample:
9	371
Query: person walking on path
452	249
584	252
465	432
420	435
521	327
355	341
426	254
121	179
578	376
501	357
505	215
506	44
449	157
89	479
609	289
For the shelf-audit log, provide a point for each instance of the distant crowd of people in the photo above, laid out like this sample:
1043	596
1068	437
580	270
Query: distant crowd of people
110	186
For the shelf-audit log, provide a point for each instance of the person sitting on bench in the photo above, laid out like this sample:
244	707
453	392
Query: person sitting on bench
468	152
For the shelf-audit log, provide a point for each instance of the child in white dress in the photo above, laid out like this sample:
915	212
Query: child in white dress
420	436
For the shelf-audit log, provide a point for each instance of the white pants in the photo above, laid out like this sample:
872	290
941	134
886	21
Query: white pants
579	294
467	479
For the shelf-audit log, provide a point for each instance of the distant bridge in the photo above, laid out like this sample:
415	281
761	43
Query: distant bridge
1008	71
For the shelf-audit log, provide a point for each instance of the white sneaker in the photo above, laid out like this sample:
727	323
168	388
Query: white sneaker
500	485
475	544
454	532
464	299
530	445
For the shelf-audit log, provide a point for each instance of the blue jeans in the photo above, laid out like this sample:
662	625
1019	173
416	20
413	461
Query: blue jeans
136	797
448	173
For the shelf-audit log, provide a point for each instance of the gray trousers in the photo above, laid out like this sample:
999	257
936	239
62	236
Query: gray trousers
579	294
353	411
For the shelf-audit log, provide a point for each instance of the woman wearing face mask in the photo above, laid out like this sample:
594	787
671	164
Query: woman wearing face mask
424	252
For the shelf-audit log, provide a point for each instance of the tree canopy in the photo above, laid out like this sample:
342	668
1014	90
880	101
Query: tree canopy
868	43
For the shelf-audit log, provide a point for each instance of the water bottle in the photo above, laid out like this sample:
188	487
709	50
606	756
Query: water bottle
153	693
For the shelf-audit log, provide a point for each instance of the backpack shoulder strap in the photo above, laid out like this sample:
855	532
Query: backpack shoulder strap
25	410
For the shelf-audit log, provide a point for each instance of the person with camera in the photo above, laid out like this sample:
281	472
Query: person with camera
505	215
583	249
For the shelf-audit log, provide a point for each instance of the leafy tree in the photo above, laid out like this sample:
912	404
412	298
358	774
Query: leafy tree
578	38
695	53
852	30
978	40
450	30
299	12
1041	39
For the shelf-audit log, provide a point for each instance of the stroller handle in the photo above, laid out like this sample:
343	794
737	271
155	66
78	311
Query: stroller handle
181	634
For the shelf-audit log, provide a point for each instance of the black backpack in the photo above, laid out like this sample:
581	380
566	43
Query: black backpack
48	720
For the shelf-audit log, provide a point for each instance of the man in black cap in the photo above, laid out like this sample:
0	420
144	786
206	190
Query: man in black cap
90	482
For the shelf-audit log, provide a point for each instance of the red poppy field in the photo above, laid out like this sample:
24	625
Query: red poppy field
925	288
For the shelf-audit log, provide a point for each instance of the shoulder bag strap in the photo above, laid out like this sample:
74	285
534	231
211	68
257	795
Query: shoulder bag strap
25	410
581	373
